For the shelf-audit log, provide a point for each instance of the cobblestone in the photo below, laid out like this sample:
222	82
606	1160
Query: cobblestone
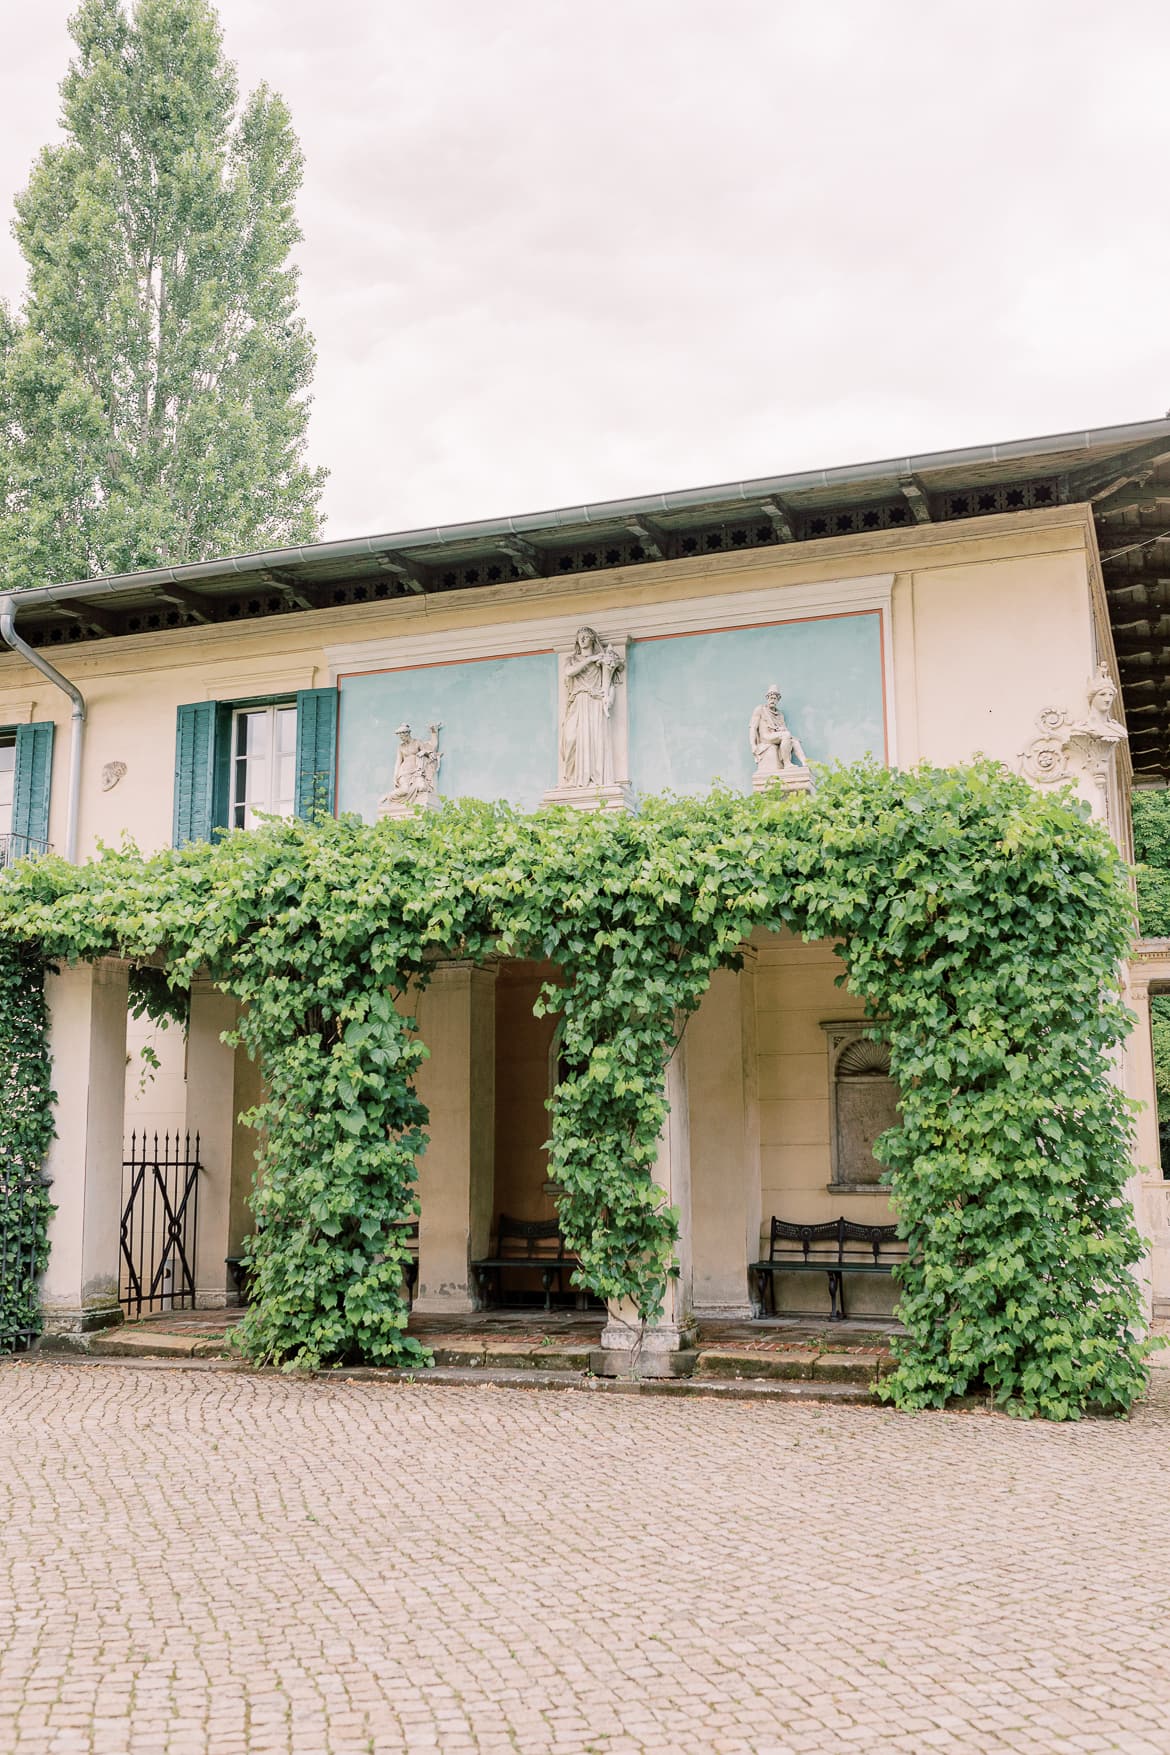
213	1563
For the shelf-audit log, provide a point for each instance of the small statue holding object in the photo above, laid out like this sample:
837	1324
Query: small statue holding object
777	750
416	773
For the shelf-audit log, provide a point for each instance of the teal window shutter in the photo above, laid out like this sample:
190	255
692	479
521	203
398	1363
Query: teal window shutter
221	758
316	750
195	772
31	785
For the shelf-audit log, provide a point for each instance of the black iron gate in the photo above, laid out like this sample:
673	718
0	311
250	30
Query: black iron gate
160	1212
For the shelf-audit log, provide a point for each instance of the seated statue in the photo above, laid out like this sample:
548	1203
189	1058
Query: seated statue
416	773
777	750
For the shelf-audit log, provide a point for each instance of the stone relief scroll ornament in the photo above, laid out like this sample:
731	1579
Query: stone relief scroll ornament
592	672
111	774
1078	749
416	774
779	756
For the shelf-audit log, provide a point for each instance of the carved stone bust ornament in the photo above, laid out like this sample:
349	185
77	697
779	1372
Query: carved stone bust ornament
1080	750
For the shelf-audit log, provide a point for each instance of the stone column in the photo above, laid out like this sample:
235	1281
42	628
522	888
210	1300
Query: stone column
87	1040
211	1073
666	1348
456	1173
1139	1076
725	1143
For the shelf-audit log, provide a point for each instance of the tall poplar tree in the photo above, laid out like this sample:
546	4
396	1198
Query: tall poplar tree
153	391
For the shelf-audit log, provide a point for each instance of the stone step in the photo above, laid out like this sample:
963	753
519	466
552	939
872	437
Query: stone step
796	1364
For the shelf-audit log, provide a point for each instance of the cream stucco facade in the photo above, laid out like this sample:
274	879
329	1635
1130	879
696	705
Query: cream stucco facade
983	624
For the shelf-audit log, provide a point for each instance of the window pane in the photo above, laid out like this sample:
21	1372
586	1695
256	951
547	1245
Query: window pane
284	791
258	730
264	764
7	780
286	730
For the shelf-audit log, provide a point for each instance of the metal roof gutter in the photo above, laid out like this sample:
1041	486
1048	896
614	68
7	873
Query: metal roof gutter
601	512
11	638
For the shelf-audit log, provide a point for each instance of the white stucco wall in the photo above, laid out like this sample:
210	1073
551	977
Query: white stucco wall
986	622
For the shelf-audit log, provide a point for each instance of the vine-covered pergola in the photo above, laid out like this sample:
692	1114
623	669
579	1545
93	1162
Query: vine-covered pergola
983	922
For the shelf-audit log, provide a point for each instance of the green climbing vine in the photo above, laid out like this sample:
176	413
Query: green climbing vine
26	1130
983	921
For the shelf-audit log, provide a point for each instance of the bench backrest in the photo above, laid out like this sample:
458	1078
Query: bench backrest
529	1239
842	1240
813	1242
879	1241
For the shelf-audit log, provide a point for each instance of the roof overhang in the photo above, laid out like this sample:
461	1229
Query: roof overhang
1123	471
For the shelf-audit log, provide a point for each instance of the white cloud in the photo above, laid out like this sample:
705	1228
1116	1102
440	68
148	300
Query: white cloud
557	251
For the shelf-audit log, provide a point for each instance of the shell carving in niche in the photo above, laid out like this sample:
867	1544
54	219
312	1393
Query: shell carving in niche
864	1057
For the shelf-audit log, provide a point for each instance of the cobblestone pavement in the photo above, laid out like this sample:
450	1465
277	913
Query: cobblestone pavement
204	1561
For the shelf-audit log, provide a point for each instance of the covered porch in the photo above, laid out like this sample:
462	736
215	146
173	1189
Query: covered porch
776	1096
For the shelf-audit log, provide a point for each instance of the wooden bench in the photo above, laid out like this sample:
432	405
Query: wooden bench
835	1248
533	1245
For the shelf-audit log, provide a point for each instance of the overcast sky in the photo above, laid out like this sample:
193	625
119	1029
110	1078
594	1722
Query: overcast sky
563	250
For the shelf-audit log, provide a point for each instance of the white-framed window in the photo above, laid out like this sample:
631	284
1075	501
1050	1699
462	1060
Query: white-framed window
7	781
264	763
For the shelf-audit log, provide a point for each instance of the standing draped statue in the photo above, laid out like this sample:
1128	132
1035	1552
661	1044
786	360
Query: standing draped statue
590	675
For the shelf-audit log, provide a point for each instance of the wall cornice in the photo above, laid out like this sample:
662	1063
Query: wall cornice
789	567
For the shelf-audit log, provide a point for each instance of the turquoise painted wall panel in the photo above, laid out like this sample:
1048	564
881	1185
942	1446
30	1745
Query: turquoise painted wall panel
692	697
499	736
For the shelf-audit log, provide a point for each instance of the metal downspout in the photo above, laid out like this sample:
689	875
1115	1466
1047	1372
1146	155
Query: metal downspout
11	638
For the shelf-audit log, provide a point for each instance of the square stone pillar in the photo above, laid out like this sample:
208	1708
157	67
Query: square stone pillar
456	1173
211	1077
666	1348
87	1040
725	1143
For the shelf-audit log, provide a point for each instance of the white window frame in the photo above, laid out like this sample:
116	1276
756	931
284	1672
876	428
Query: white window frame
244	807
8	742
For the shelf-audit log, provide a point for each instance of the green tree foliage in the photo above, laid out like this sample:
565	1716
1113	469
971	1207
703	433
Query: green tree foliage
153	394
1151	846
1160	1028
1151	837
26	1129
983	922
